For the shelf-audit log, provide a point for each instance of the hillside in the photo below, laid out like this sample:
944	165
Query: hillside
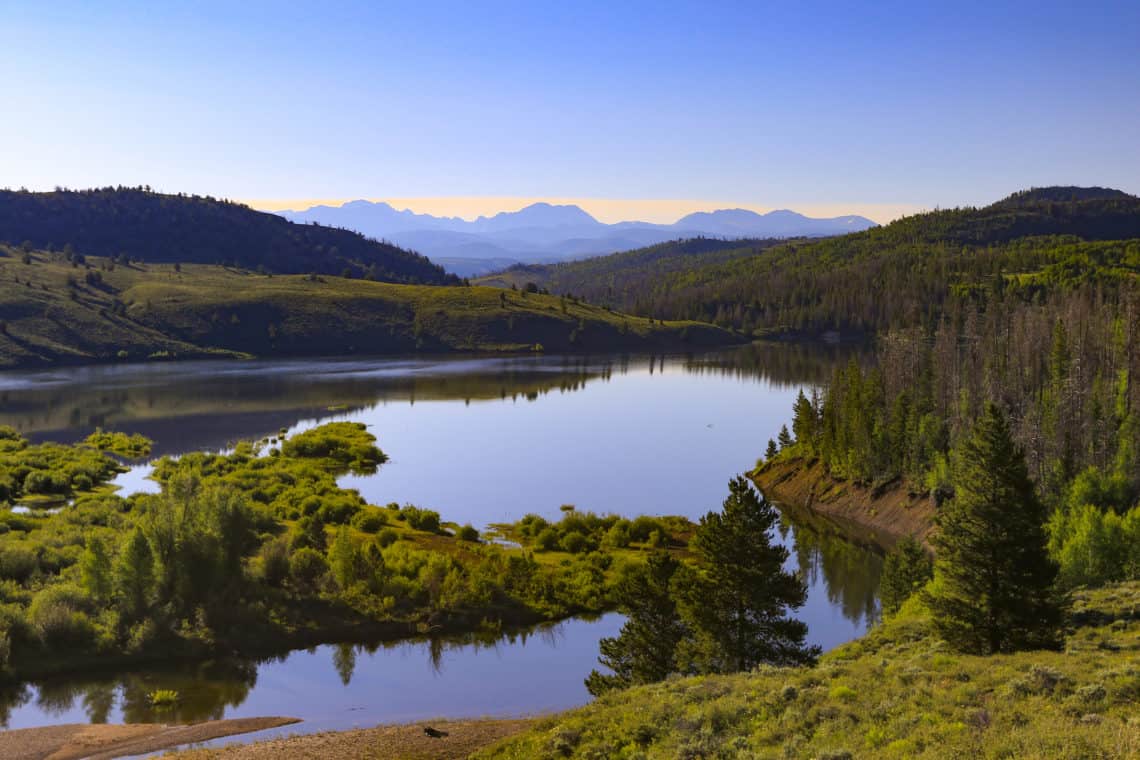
152	227
629	276
896	693
901	274
59	312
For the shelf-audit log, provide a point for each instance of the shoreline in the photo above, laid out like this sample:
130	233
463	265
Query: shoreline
873	516
102	741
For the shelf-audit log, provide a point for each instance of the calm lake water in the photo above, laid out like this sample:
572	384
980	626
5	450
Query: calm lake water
481	440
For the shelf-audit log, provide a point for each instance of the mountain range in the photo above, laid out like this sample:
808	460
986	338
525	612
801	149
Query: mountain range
543	232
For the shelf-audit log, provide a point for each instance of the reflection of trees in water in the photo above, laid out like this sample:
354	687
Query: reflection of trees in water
11	698
849	572
205	691
344	660
783	363
207	406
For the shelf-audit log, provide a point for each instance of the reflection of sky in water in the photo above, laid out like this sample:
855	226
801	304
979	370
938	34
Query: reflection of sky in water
399	683
632	438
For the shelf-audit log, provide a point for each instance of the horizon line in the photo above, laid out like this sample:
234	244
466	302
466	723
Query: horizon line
605	210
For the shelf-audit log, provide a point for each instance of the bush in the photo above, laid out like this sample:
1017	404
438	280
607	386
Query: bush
546	540
58	618
426	520
307	567
17	563
387	537
274	561
642	528
369	520
468	533
575	543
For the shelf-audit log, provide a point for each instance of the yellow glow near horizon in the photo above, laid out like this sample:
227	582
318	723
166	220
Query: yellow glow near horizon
607	210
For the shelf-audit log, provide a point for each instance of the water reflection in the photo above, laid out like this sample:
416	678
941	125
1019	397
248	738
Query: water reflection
340	685
209	404
846	571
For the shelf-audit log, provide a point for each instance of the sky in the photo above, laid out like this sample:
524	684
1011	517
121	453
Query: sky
634	110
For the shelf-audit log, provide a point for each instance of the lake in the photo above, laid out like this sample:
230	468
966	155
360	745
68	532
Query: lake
481	440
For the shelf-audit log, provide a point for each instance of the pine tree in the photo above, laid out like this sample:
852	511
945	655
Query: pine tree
736	601
645	650
785	438
771	451
804	423
906	570
995	578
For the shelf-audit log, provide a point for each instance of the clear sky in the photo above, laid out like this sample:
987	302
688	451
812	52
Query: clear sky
838	106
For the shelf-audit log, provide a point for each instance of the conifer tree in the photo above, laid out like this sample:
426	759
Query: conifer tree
771	452
735	602
785	438
995	578
645	650
804	423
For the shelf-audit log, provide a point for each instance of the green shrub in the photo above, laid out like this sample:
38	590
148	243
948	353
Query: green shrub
369	520
387	537
546	540
468	533
307	567
57	616
426	520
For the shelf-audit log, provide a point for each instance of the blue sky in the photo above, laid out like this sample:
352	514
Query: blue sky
788	104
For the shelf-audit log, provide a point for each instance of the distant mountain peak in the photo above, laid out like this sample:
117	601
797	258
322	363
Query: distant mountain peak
540	214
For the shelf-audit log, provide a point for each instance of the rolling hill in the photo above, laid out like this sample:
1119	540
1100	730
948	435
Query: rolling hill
53	310
147	226
896	275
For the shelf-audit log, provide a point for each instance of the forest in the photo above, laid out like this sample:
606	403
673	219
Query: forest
1001	387
904	274
138	224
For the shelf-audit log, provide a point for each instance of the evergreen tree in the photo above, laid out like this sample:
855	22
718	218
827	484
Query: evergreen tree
785	438
771	451
995	589
645	650
804	422
906	570
735	602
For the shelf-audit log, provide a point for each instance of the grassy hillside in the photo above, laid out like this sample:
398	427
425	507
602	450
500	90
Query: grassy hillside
898	692
56	311
146	226
904	274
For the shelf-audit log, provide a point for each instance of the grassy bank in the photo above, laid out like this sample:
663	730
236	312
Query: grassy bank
884	512
56	311
897	692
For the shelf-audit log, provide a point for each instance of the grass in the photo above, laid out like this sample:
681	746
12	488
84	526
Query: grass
896	692
59	312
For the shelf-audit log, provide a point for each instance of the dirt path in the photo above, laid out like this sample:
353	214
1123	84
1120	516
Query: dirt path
102	741
450	740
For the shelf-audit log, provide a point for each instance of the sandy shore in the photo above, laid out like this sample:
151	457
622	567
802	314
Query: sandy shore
452	740
103	741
